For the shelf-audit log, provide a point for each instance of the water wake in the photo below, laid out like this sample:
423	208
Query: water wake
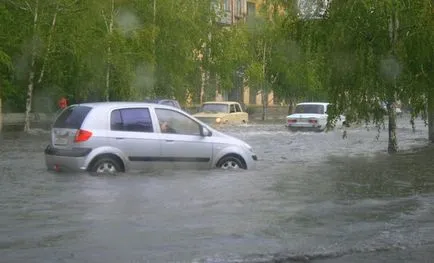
288	257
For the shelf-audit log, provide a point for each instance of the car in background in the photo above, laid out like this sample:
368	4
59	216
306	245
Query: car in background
112	137
168	102
398	110
222	112
311	116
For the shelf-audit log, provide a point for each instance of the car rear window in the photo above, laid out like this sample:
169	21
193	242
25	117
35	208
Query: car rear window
309	108
72	117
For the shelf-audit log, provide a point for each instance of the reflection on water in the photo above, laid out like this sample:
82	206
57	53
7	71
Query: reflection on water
313	197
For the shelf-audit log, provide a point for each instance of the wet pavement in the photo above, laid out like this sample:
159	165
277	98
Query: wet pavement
314	197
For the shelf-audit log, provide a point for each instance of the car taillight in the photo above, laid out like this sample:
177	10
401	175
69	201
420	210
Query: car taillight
292	121
313	121
82	136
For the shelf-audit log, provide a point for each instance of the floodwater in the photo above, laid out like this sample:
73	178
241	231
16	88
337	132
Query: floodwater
314	197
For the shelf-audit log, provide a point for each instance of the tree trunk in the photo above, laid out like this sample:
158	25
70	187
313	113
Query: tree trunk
431	116
32	71
264	92
264	105
109	25
202	85
1	116
154	21
154	45
393	141
290	106
391	103
50	39
207	73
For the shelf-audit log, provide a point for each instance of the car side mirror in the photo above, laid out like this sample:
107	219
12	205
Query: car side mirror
205	132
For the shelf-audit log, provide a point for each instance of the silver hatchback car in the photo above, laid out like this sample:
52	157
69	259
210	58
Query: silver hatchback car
111	137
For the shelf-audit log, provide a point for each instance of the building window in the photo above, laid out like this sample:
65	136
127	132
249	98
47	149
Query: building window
251	9
239	8
227	5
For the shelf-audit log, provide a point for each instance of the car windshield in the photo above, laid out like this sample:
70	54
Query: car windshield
310	108
217	107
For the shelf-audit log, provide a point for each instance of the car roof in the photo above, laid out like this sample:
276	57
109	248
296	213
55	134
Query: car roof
158	100
121	104
220	102
313	103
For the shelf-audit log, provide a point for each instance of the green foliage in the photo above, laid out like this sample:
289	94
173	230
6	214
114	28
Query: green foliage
344	55
147	56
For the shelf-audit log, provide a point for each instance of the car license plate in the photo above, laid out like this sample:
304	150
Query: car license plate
61	141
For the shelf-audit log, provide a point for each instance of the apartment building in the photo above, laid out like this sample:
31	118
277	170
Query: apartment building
235	11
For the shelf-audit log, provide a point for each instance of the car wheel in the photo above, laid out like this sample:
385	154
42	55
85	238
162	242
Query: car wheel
231	163
106	165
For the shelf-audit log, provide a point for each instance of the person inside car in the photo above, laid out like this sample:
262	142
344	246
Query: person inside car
166	128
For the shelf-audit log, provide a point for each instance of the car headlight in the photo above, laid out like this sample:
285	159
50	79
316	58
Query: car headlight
218	120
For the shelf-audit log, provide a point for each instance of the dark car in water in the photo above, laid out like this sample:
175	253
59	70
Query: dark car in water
168	102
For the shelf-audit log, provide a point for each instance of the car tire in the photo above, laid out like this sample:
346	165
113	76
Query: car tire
106	165
231	162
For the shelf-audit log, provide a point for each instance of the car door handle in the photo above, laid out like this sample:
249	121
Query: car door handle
170	140
119	138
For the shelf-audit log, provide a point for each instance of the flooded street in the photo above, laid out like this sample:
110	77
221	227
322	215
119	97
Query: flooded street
314	197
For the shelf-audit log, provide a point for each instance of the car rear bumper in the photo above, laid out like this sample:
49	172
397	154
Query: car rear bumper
305	127
71	160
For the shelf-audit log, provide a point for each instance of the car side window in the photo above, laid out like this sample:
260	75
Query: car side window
232	108
131	119
175	122
237	107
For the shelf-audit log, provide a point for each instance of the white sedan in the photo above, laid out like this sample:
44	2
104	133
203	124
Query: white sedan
310	116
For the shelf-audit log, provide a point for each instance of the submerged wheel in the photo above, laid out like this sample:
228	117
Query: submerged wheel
106	165
231	163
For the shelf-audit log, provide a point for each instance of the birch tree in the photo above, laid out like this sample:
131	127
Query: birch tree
364	65
109	21
35	12
40	12
372	52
